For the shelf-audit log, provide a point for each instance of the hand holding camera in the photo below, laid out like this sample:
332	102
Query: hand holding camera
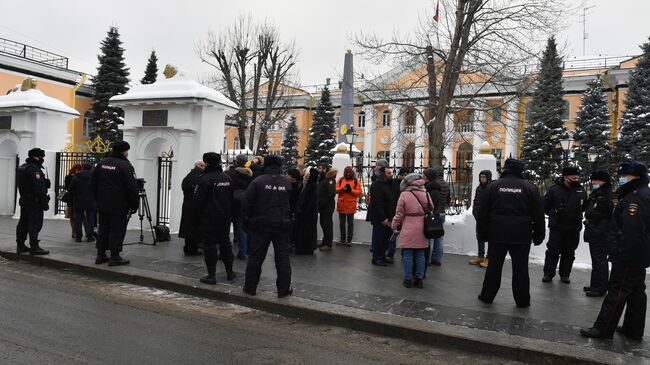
347	188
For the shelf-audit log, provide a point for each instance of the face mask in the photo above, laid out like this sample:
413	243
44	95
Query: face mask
622	180
594	186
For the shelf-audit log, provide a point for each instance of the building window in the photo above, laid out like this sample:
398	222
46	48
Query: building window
466	124
5	122
88	125
385	118
154	118
497	153
361	119
235	145
409	120
565	110
495	114
383	155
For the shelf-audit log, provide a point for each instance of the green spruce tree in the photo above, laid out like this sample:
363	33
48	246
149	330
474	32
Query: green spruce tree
290	144
322	132
151	72
111	79
591	134
541	142
634	142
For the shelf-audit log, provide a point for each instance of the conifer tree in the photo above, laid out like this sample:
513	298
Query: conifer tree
541	142
111	79
592	129
290	144
151	72
322	132
634	142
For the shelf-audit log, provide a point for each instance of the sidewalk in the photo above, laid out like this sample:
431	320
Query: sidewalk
344	278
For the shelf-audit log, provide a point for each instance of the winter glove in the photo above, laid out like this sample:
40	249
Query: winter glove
348	188
48	183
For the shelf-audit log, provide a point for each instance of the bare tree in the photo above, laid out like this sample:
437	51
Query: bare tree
253	66
479	46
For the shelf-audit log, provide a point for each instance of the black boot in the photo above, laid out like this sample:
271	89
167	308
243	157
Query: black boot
21	247
210	278
230	275
419	283
101	257
35	249
117	260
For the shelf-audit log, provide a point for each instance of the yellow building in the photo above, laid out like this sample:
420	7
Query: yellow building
55	79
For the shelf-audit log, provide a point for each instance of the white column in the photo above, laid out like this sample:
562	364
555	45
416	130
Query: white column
26	140
512	120
479	131
396	137
420	133
184	158
449	138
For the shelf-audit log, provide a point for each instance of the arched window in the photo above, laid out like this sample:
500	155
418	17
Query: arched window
361	119
409	120
385	118
565	110
236	143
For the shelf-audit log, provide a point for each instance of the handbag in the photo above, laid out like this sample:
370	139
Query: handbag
433	226
64	196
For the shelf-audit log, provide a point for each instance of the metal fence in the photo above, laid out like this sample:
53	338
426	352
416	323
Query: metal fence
163	201
64	162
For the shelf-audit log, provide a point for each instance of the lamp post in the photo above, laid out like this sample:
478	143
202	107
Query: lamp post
592	157
566	147
351	137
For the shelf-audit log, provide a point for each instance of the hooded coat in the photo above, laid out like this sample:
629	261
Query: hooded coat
306	222
327	192
409	215
189	221
480	189
80	191
347	199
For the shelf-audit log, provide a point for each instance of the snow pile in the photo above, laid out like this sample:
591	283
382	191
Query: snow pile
34	98
180	86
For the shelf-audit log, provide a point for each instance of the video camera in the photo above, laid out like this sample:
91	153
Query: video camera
140	183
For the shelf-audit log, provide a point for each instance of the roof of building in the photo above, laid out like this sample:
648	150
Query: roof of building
34	99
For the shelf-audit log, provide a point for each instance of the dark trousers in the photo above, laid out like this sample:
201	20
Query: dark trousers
79	215
327	226
112	229
258	246
380	238
561	246
210	242
520	279
30	223
626	287
346	221
599	266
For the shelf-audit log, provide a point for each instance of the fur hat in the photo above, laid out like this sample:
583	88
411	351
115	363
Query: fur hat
570	171
600	175
271	160
381	163
121	146
408	180
36	152
635	168
212	158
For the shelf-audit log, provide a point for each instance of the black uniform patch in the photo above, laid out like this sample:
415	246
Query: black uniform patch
633	209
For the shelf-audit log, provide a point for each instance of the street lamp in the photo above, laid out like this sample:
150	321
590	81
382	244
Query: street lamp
592	157
351	137
566	146
444	161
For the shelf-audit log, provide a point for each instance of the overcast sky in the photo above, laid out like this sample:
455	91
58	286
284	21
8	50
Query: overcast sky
321	28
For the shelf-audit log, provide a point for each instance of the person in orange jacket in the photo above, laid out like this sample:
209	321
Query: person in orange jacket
349	188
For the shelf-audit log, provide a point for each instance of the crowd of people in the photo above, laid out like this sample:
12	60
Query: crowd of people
267	204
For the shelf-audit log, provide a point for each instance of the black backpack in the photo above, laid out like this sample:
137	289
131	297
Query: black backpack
162	233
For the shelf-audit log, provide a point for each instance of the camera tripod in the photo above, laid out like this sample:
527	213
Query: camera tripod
143	210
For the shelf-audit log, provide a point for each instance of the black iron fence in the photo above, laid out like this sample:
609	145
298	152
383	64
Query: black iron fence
64	163
163	202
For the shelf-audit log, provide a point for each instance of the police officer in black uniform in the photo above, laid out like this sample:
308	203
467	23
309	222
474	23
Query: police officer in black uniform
630	256
267	216
510	217
116	192
213	202
563	203
597	218
32	185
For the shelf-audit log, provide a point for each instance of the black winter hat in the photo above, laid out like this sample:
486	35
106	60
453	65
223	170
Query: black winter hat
121	146
270	160
515	166
570	170
430	174
486	173
294	173
403	171
36	152
241	160
212	158
600	175
636	168
87	166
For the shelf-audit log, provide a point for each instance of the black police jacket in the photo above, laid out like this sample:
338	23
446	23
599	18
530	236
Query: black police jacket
631	224
113	185
266	202
382	202
564	206
511	212
81	192
33	185
598	213
213	200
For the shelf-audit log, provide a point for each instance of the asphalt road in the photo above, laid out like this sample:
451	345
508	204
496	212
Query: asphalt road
49	316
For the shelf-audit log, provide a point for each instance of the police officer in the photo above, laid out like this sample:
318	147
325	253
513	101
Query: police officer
266	213
213	201
510	217
597	218
32	185
563	203
630	257
116	192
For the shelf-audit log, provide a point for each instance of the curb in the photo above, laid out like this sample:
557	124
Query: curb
432	333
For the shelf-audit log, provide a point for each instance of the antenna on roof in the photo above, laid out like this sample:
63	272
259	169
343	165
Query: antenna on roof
584	28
